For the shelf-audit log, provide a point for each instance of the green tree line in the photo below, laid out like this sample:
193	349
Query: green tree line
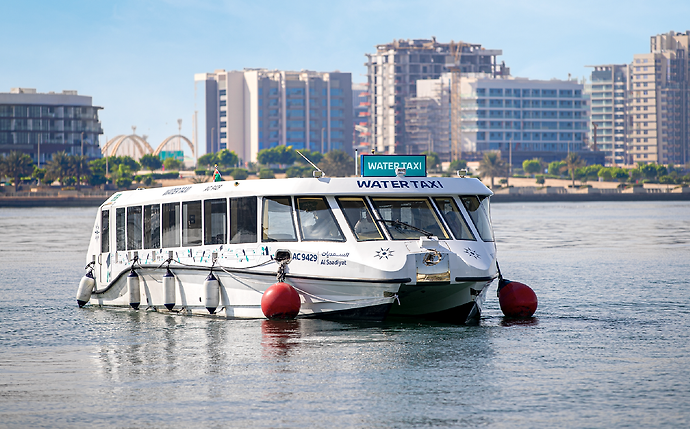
335	163
77	171
575	168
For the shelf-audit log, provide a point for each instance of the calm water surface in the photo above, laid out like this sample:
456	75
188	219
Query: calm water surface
609	346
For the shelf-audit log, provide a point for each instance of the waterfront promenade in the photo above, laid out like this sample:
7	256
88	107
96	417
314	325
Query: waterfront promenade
555	190
54	198
519	190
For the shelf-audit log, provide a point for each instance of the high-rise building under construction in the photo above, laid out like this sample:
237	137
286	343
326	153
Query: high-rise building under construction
392	75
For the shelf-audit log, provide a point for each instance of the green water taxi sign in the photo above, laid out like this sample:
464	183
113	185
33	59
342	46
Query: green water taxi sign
389	165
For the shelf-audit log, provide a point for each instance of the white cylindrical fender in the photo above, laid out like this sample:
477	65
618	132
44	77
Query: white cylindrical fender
169	290
211	293
134	291
85	288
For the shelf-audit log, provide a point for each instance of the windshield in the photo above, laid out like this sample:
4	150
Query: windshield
409	218
453	217
360	219
316	220
478	209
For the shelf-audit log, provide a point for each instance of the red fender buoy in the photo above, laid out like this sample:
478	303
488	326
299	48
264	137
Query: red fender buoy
280	301
517	299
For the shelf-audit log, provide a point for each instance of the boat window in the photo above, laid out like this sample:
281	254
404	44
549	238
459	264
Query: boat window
243	215
478	209
316	220
276	223
105	231
409	218
191	226
359	218
152	226
171	225
215	221
453	217
134	228
120	229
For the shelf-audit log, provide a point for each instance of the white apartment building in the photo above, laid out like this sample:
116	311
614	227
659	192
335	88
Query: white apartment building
609	98
544	119
658	109
40	124
640	111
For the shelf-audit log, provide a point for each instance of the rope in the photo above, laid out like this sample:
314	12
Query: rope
501	281
219	266
342	302
235	277
280	276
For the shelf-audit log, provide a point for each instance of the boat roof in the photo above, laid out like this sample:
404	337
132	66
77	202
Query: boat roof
322	186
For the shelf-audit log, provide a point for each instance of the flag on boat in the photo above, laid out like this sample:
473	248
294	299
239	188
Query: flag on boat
216	175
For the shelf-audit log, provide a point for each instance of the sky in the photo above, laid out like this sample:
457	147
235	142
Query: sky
137	58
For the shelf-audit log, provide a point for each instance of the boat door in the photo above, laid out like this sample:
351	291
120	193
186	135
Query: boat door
103	261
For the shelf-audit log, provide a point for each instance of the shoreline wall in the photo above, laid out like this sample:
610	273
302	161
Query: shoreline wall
588	197
507	195
83	201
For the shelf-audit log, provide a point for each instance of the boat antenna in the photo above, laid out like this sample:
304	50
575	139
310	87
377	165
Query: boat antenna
318	172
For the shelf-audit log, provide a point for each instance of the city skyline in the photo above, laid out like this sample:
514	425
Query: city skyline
138	59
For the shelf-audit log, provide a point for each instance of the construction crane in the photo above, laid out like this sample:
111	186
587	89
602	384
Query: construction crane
455	101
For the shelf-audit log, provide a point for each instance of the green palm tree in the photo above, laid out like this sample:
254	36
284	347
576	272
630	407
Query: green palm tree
16	165
337	163
79	167
492	166
59	166
432	160
572	162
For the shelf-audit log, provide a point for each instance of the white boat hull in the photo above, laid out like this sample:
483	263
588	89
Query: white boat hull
241	292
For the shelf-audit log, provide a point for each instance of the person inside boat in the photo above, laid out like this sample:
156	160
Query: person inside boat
364	225
453	221
321	228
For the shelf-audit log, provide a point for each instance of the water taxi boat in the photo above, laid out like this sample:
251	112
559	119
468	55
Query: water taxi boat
356	248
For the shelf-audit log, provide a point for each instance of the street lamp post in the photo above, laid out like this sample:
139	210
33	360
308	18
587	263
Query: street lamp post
179	135
81	159
322	142
510	162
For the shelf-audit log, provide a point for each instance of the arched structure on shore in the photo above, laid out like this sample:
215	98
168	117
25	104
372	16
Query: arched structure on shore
160	147
131	145
137	146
